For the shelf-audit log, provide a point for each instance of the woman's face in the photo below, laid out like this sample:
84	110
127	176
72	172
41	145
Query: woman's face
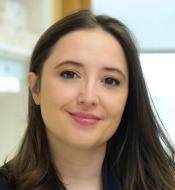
84	89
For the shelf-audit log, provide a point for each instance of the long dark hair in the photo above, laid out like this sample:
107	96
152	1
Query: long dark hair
139	153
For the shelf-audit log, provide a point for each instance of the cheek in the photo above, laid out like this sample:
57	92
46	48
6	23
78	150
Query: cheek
58	93
54	99
115	112
114	107
115	104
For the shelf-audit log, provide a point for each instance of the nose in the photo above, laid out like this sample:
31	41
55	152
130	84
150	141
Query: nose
88	94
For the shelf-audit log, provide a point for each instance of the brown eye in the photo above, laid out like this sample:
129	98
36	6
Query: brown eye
111	81
69	75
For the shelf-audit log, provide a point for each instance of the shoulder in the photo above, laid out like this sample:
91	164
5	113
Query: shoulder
4	184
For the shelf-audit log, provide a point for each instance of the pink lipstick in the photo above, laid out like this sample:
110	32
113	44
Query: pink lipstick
85	118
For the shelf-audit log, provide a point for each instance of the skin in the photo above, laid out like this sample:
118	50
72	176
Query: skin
74	80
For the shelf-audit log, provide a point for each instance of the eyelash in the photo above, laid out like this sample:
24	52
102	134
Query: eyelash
72	75
112	81
62	74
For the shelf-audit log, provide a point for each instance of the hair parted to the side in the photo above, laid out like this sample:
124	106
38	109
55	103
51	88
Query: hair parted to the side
136	154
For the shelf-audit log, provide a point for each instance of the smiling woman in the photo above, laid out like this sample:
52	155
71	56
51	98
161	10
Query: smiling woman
88	89
89	112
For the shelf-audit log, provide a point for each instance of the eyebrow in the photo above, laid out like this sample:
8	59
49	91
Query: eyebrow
77	64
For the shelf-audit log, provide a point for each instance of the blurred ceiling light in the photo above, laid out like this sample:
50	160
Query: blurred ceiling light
9	84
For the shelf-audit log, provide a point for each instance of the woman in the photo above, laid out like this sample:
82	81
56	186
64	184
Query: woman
90	123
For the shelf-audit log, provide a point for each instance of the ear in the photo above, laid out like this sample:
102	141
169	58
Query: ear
34	87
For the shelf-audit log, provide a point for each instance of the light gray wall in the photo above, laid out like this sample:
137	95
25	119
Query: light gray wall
13	119
152	21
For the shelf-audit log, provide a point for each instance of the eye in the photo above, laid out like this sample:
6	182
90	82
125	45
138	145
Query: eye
111	81
69	75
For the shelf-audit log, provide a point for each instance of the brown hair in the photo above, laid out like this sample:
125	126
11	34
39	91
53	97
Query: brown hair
139	153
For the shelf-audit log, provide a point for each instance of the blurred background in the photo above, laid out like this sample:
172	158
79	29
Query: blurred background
152	22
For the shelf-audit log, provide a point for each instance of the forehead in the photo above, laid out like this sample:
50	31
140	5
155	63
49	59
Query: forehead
94	47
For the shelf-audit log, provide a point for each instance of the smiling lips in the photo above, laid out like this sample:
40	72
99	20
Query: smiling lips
84	118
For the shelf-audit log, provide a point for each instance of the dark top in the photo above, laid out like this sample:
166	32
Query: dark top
3	184
109	182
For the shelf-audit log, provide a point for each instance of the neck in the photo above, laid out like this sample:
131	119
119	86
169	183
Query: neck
79	167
